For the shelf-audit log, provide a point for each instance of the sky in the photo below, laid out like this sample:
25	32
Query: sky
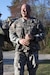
4	9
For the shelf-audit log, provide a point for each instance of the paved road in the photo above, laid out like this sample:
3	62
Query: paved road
10	55
8	58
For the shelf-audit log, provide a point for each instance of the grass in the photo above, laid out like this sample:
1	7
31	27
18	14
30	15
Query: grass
43	69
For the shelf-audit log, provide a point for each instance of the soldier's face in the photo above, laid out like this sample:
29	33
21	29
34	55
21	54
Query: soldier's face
24	11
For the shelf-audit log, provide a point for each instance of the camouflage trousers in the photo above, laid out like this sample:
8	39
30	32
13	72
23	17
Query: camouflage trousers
21	60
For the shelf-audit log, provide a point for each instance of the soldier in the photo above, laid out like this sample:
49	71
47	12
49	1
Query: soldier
1	44
23	34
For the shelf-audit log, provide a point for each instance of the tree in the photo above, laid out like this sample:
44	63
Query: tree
14	2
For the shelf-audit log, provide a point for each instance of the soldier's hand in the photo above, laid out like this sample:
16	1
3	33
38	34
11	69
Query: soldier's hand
28	37
24	42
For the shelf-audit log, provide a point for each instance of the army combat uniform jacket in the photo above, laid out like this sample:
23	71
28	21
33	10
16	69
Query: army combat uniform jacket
22	27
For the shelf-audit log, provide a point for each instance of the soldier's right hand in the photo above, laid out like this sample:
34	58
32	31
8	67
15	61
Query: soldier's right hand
24	42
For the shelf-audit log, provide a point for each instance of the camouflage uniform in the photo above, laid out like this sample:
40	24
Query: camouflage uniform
26	54
1	44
